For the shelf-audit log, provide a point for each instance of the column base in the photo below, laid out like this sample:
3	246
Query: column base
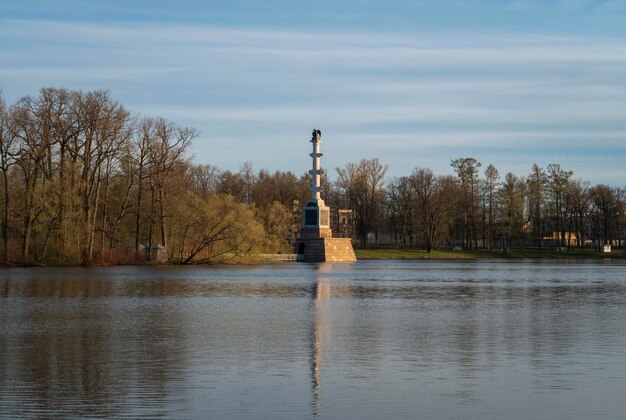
326	249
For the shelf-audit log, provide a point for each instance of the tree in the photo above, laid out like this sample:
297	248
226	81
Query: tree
8	155
279	226
511	207
536	186
362	185
246	173
166	159
467	172
401	208
140	155
232	184
490	186
204	179
282	187
607	209
119	201
32	132
577	206
104	130
558	181
214	230
433	203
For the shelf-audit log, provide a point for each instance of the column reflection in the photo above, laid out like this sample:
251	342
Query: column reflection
319	336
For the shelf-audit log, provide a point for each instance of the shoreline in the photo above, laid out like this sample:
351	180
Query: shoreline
385	254
482	254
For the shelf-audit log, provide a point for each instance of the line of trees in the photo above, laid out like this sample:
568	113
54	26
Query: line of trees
86	180
472	210
546	207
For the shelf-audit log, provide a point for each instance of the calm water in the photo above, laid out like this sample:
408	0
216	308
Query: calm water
375	339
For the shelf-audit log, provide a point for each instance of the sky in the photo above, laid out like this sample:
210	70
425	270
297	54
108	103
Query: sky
414	83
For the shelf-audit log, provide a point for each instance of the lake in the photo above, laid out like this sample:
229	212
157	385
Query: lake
373	339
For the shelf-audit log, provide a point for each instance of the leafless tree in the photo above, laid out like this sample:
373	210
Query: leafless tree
536	186
490	185
8	155
433	202
577	206
467	173
362	185
511	206
607	209
558	181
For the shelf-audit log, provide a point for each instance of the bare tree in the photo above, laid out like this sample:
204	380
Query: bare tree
205	179
607	209
511	207
577	206
249	180
166	158
401	210
558	181
433	202
467	172
490	186
536	185
362	184
32	135
142	142
8	155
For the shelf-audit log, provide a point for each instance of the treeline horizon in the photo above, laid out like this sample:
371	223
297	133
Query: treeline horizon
85	180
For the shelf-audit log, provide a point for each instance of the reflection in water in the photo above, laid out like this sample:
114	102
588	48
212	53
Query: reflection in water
385	339
321	293
89	357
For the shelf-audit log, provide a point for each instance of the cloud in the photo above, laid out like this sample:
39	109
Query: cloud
251	92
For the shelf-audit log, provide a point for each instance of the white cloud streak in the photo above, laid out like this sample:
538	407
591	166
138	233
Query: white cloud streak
502	94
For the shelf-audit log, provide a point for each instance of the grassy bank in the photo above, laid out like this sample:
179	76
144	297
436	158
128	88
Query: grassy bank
417	254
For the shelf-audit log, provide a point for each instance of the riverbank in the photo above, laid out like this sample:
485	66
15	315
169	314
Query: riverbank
384	253
419	254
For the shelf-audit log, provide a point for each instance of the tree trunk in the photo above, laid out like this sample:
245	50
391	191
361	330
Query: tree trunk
92	222
5	219
162	216
105	215
151	224
62	193
138	212
26	237
28	219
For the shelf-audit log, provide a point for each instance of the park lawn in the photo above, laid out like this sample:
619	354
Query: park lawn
416	254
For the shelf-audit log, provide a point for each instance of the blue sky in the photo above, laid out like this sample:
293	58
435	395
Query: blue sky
415	83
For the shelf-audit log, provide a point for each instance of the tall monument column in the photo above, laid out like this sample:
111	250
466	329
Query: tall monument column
316	242
316	139
316	215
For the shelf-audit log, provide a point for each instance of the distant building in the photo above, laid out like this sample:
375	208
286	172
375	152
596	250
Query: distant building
147	252
342	221
571	238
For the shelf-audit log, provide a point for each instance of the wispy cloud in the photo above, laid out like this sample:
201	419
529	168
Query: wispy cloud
426	94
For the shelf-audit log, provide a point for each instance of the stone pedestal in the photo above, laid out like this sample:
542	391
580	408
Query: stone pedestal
326	250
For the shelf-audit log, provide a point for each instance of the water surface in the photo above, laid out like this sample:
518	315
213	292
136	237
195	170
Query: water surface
374	339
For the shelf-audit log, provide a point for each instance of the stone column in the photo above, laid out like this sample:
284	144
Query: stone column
316	139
